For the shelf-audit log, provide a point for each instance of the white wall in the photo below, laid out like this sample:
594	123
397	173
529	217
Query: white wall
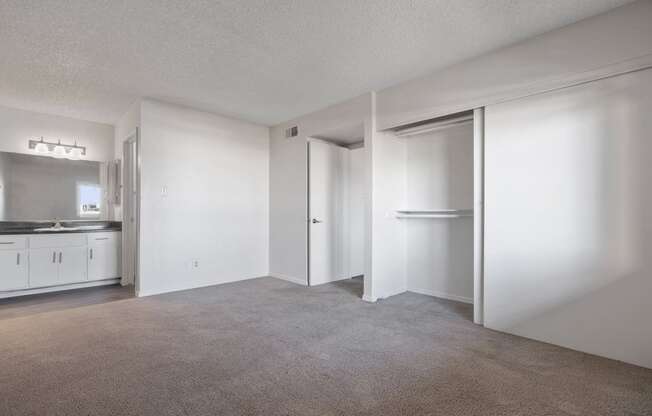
620	38
357	196
18	126
204	190
289	184
124	128
569	218
440	176
388	244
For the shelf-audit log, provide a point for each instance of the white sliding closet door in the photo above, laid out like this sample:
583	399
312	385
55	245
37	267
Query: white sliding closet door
568	217
328	196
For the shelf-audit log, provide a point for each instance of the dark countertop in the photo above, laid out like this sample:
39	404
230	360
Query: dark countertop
29	227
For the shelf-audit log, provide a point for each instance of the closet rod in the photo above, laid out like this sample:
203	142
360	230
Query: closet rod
437	125
433	215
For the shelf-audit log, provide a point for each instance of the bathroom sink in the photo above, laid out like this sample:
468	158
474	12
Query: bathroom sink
57	229
91	227
77	228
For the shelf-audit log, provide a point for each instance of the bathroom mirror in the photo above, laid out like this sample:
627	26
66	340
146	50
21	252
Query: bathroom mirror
42	188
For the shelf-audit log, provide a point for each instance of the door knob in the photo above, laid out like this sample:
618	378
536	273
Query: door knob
316	221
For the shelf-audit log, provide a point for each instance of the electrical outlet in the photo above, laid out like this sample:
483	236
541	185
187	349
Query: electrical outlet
195	264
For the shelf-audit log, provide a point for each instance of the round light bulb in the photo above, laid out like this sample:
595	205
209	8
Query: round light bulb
59	151
75	153
41	148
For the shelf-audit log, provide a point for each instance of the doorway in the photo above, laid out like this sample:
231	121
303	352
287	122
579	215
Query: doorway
336	206
131	212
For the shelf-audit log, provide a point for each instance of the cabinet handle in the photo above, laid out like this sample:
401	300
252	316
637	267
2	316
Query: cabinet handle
54	257
103	238
91	254
6	242
17	259
60	257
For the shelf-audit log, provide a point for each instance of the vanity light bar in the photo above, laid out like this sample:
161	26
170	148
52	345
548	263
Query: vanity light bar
56	149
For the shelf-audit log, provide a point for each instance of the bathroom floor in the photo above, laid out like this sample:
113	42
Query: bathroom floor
58	301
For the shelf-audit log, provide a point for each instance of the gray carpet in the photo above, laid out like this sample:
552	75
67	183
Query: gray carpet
267	347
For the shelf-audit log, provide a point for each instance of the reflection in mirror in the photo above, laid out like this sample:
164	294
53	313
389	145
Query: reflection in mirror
41	188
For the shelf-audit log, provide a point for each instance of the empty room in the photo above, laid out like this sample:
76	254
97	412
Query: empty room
374	207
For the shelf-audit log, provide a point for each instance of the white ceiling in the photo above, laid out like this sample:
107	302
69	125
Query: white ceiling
259	60
344	135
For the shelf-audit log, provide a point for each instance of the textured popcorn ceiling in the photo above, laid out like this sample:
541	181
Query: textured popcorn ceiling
263	61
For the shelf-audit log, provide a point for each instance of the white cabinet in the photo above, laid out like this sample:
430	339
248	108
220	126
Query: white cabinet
43	267
73	267
45	261
104	256
13	262
57	259
13	269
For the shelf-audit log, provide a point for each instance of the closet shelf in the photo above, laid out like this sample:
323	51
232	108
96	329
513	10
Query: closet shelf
434	213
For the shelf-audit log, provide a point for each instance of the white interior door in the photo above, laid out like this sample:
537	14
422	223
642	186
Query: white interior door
328	198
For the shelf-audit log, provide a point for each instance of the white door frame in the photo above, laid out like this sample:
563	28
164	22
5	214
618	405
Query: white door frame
478	216
308	210
131	201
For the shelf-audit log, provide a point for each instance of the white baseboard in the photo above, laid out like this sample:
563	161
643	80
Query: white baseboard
287	278
442	295
50	289
338	279
370	299
142	293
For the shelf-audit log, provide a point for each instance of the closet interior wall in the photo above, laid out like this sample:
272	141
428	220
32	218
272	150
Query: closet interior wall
439	180
424	235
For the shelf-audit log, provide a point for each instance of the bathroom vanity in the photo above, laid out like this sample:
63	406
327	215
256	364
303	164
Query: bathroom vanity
56	231
44	261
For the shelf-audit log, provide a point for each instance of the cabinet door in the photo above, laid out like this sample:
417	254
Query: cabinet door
112	259
96	260
43	267
103	258
13	269
73	266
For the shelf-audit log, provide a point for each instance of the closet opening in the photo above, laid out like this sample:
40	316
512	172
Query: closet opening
442	209
336	208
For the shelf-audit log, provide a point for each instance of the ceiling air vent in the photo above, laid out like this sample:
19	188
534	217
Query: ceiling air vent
292	132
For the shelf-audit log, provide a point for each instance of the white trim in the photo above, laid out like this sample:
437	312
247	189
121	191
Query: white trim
441	295
337	279
369	299
478	219
49	289
533	88
434	126
141	293
290	279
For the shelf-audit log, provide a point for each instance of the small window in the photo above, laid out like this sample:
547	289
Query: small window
89	197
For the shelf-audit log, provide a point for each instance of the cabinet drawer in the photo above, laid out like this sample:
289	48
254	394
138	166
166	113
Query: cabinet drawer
57	240
110	237
13	242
